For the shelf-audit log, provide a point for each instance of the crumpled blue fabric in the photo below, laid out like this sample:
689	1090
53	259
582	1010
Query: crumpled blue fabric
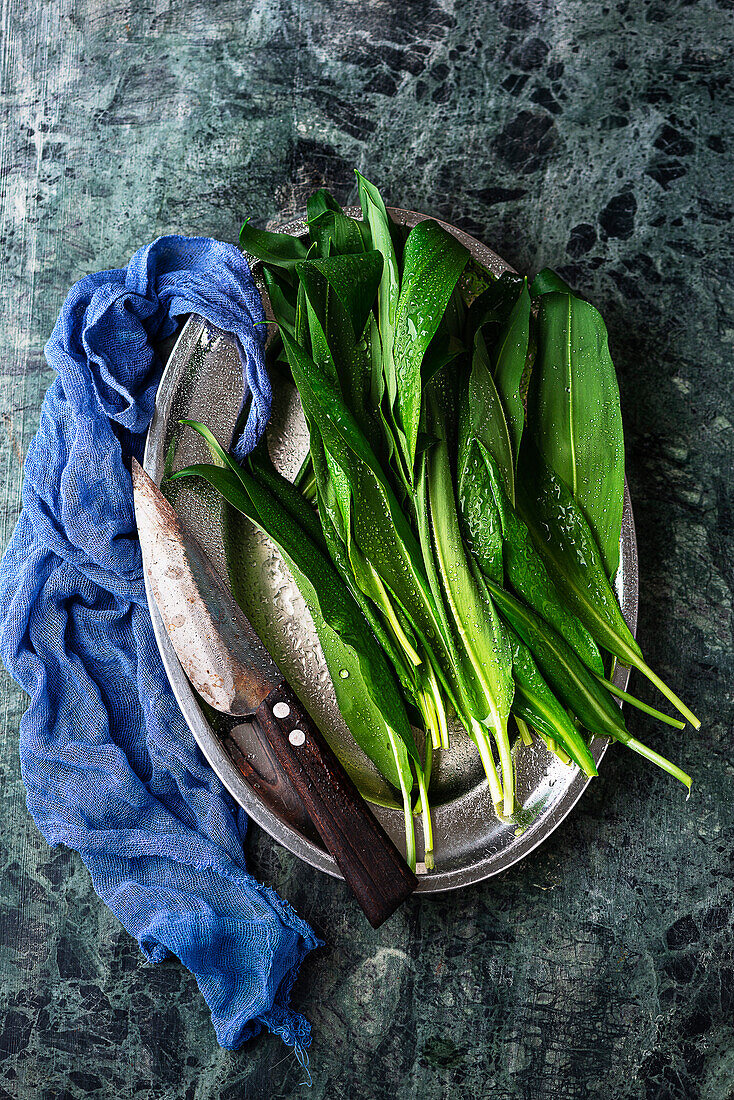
109	764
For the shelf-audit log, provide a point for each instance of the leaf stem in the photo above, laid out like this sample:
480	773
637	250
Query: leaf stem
427	768
656	758
428	765
426	818
485	752
611	687
556	749
668	693
525	735
389	611
438	706
499	729
410	855
433	731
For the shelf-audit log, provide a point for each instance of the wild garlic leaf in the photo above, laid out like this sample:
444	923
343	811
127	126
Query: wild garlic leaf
277	249
283	298
480	518
562	534
574	684
442	350
335	234
321	202
486	417
375	215
535	703
379	525
354	280
574	414
511	358
491	310
564	538
486	660
433	260
548	281
526	571
339	293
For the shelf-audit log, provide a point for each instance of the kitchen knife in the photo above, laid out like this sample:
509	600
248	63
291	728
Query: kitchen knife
230	668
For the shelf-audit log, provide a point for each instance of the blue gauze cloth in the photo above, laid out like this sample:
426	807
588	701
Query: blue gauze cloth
109	764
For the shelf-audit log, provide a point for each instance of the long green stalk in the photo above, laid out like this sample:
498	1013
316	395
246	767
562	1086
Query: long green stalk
525	735
427	824
479	735
655	758
633	701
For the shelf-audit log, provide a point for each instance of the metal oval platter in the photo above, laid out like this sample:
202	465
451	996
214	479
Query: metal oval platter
203	381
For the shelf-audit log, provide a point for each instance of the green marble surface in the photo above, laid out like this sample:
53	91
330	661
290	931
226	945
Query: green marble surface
593	137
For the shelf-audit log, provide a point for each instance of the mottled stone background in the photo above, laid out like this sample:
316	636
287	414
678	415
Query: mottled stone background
595	137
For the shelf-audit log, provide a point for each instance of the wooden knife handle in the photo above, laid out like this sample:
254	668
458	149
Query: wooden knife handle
371	864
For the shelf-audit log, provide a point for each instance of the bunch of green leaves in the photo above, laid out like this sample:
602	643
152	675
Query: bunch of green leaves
541	468
455	528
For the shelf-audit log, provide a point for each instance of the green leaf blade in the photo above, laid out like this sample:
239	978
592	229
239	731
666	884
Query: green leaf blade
528	575
480	516
375	215
354	280
548	281
433	261
278	249
560	666
380	527
512	356
482	638
574	414
485	416
563	537
535	703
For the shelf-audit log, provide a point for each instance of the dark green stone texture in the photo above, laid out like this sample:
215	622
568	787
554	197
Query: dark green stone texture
592	137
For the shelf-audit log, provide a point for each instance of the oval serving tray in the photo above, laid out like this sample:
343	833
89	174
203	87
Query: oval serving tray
203	381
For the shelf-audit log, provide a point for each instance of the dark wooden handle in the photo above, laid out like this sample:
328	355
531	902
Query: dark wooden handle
371	864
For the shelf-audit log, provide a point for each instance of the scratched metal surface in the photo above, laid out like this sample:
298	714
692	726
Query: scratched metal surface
595	138
203	382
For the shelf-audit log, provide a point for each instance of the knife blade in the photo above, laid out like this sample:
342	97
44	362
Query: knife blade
229	666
